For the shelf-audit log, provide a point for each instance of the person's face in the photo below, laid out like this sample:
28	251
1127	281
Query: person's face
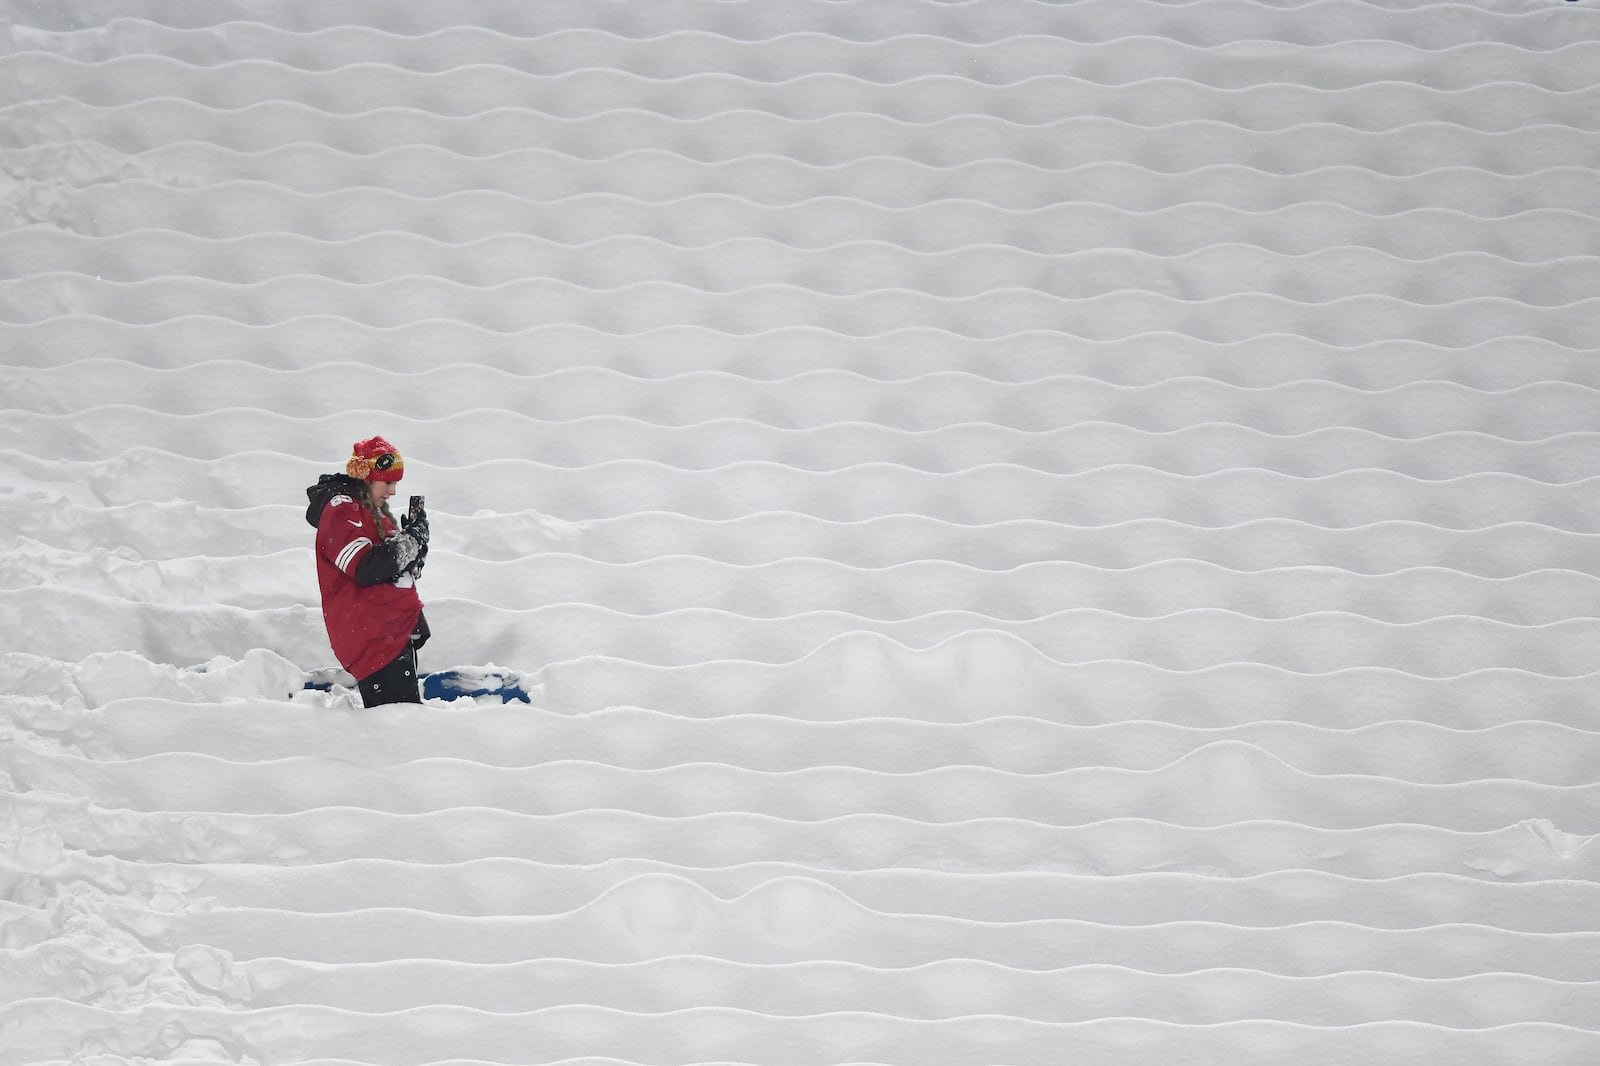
381	491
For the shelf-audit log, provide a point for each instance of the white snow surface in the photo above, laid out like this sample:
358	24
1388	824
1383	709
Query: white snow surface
1034	532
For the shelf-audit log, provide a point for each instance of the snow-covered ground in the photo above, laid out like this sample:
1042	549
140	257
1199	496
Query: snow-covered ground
1032	532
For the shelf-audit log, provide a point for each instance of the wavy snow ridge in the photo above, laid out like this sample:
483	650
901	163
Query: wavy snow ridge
1030	531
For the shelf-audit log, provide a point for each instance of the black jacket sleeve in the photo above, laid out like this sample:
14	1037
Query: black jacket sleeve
386	561
421	633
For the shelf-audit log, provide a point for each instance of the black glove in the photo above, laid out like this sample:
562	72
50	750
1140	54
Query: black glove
407	550
417	526
389	560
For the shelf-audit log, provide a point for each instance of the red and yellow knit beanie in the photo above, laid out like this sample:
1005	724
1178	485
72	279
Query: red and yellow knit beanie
375	459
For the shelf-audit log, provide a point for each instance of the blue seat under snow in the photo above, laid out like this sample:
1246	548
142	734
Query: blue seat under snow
445	684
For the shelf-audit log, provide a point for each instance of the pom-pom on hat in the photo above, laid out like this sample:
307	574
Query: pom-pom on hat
375	459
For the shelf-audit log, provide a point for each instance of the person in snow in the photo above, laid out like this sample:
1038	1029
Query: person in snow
367	568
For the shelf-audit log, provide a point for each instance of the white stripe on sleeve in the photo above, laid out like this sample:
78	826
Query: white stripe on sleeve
347	556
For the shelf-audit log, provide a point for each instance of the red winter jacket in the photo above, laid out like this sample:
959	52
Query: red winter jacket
367	626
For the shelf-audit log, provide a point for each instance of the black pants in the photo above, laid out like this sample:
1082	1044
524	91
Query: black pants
393	683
